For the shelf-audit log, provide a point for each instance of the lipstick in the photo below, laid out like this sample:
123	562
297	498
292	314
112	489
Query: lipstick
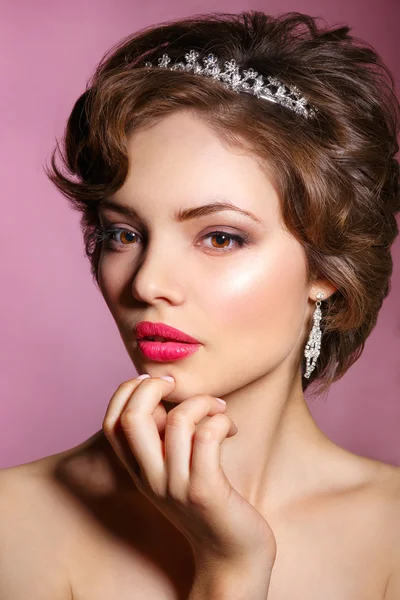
173	344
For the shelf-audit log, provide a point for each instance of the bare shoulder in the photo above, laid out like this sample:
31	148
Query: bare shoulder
391	481
382	483
32	538
387	486
85	533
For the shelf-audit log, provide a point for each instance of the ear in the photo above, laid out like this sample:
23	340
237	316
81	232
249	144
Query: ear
321	285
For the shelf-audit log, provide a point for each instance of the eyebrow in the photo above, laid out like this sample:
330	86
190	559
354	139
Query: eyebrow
182	214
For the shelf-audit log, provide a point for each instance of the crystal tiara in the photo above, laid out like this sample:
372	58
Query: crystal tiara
274	90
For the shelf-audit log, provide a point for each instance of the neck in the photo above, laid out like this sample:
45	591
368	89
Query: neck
279	455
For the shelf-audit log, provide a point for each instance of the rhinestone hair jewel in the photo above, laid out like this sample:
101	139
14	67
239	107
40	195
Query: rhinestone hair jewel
273	90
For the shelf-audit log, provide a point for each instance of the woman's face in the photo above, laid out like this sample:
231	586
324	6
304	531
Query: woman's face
247	305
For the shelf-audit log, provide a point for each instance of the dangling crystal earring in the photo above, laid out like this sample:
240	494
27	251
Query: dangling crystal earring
313	346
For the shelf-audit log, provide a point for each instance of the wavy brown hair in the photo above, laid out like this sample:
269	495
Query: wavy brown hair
336	175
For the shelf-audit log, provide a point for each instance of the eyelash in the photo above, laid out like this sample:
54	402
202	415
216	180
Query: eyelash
103	234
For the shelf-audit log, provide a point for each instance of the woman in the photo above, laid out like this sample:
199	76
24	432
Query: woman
238	186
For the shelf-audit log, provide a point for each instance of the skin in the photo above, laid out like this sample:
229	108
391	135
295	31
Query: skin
249	307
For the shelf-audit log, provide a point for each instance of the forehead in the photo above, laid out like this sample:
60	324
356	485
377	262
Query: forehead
181	161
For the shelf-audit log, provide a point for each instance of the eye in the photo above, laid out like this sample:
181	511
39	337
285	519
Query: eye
129	238
222	239
107	236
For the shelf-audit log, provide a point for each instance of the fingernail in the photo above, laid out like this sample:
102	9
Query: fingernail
167	377
220	400
144	376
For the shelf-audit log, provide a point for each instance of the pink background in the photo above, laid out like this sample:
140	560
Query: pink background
61	355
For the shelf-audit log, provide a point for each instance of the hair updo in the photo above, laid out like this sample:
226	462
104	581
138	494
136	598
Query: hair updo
336	175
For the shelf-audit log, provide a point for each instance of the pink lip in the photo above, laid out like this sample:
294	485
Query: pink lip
149	329
166	351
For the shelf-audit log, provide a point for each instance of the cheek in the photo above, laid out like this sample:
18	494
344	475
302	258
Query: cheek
261	298
111	281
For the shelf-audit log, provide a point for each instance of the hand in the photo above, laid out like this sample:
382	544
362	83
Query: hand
177	467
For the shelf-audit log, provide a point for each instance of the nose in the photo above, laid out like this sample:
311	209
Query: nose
160	273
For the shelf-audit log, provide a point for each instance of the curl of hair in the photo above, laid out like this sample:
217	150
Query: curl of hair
336	175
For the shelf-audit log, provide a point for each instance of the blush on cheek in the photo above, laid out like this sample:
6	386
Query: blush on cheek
261	300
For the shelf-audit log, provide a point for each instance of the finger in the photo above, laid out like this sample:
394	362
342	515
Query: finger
205	473
179	431
111	424
141	431
160	416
